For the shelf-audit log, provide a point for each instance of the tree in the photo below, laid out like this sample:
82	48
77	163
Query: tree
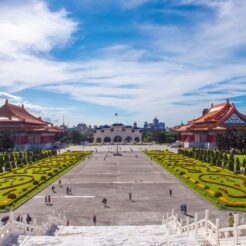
237	168
244	163
231	165
76	136
7	141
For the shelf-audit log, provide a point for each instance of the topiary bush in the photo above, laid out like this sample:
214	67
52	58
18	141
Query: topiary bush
43	178
12	196
35	182
217	194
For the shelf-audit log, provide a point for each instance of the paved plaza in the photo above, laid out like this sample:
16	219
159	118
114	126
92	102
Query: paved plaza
114	177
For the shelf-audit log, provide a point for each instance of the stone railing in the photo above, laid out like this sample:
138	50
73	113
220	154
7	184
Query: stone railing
205	227
14	228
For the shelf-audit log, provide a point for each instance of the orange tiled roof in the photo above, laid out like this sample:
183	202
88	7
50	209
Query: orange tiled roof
12	113
212	120
30	128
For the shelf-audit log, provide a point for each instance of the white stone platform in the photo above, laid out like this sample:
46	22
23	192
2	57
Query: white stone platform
149	235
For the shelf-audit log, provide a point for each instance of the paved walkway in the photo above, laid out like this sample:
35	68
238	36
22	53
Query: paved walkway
114	178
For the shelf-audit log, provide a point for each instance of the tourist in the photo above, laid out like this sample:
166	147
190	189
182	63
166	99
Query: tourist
59	182
104	201
67	222
230	220
46	200
49	200
94	219
28	219
185	209
130	196
170	193
70	191
182	208
18	218
67	190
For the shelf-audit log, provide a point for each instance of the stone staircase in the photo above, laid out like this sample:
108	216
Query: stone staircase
147	235
173	231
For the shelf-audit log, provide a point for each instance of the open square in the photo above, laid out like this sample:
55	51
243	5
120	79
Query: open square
113	177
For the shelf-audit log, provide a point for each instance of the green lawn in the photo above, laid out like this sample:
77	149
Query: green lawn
205	179
19	184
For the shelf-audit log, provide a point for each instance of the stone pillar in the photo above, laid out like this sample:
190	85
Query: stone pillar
235	231
187	222
217	223
196	218
11	216
206	221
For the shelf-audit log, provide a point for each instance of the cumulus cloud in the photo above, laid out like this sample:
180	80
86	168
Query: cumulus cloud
181	69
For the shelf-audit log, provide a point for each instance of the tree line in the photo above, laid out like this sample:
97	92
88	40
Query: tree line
9	160
232	139
160	136
215	158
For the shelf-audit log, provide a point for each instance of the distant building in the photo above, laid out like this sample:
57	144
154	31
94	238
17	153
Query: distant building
30	132
155	125
202	132
117	133
81	127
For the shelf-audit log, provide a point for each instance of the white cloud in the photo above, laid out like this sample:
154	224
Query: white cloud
123	76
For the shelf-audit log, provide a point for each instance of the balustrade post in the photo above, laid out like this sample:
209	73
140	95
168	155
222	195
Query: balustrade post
206	221
196	218
217	223
235	231
11	216
187	223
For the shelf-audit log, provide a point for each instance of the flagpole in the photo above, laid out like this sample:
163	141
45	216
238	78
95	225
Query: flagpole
117	148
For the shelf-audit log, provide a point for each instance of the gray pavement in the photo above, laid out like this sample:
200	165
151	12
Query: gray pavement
114	178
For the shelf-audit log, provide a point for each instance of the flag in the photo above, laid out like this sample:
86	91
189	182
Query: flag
116	114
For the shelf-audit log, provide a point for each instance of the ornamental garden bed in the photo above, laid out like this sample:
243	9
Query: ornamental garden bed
21	183
223	188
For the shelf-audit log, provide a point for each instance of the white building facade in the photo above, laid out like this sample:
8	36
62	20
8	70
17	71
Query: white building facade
117	133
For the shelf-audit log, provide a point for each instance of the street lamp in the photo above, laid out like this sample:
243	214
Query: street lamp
117	136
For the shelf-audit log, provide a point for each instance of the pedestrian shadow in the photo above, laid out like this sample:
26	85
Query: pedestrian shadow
106	206
133	201
189	215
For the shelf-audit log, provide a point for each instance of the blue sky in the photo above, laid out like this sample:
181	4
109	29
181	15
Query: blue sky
87	59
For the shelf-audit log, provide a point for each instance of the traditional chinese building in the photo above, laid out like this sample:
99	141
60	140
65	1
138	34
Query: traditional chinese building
117	133
30	132
201	132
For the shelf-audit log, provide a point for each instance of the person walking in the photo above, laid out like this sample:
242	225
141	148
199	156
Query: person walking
49	200
94	219
230	220
46	200
170	193
130	196
67	190
67	222
28	218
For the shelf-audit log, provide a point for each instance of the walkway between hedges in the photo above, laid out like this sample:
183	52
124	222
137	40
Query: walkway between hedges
113	179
